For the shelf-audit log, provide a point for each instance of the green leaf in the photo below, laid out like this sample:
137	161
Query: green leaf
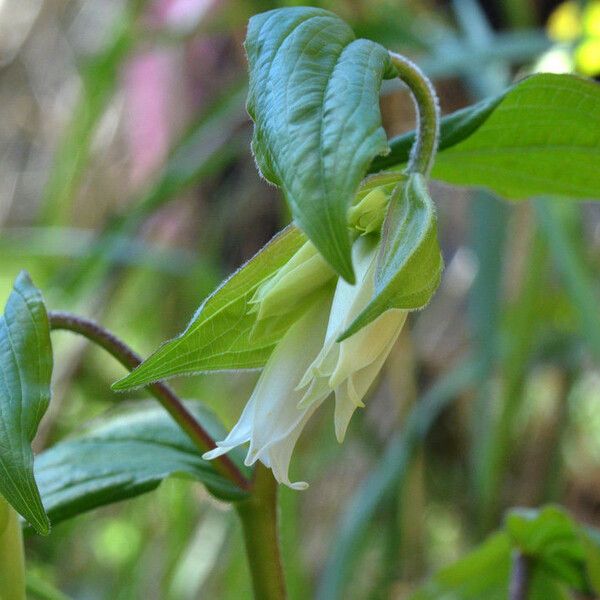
128	454
541	136
314	99
485	573
410	262
553	539
25	373
220	335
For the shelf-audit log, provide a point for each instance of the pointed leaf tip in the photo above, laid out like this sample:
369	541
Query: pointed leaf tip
220	334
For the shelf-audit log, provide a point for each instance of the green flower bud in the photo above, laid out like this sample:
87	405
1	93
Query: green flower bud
367	216
293	285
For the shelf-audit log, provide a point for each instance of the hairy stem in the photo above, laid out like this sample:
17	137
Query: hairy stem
259	522
12	557
519	578
427	106
174	406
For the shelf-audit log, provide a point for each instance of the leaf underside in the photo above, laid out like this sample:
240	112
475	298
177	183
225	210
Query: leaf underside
314	99
125	456
25	374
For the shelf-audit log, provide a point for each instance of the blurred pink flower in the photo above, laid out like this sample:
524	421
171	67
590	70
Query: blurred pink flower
149	80
181	14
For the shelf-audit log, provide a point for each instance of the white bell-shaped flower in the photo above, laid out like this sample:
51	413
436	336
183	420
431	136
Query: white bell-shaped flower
308	364
272	421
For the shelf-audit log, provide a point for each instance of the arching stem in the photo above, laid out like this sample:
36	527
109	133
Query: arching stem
427	107
175	407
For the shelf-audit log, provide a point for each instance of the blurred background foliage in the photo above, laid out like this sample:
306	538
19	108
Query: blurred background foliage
128	191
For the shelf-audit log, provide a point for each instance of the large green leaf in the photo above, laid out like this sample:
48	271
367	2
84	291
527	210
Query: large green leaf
541	136
220	335
410	263
314	99
25	373
127	455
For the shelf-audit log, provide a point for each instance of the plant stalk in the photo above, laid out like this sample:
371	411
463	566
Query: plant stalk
12	555
422	155
519	578
169	400
259	523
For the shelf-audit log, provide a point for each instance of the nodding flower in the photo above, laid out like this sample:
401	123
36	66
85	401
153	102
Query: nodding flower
308	364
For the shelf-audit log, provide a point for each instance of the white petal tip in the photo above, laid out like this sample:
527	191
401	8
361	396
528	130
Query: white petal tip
299	486
215	453
251	458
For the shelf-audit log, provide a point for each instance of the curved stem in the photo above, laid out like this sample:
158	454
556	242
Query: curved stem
12	556
259	523
427	106
175	407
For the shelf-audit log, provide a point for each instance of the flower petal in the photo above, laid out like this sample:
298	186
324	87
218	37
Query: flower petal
349	394
239	435
271	421
367	344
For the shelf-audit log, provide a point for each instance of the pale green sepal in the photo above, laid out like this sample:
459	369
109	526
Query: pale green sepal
300	277
314	98
219	336
25	374
267	327
410	263
367	213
